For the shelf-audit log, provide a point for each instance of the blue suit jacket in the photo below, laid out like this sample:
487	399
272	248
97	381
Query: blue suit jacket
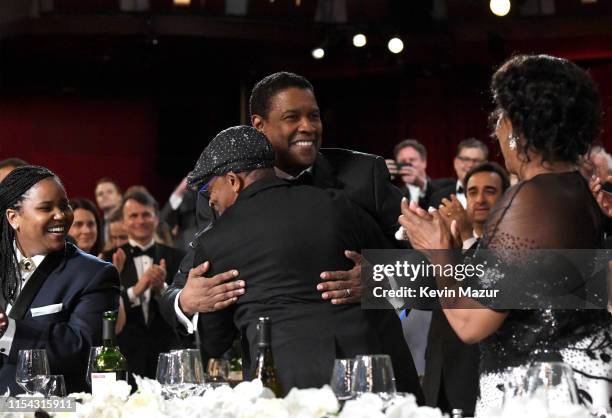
86	287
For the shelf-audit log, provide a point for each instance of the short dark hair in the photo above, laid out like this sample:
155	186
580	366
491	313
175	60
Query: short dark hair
412	143
551	102
490	167
141	197
86	204
270	86
12	162
109	180
115	216
473	143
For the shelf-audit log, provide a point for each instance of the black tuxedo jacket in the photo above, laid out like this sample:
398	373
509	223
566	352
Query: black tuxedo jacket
183	218
140	341
75	288
443	191
280	237
425	201
365	180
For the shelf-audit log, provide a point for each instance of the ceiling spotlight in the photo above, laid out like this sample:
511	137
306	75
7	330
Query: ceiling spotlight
182	2
318	53
500	7
395	45
360	40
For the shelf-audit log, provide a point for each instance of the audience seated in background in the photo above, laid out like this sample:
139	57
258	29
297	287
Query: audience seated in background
86	228
8	165
108	199
470	152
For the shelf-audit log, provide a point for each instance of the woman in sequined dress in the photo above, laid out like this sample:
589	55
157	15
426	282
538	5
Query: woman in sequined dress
547	116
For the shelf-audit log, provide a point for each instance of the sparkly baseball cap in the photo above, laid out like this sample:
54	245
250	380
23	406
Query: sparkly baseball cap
237	149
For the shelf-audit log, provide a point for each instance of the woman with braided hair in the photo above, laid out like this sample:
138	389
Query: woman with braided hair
52	294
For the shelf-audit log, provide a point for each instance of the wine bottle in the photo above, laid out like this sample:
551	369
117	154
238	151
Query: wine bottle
265	369
110	365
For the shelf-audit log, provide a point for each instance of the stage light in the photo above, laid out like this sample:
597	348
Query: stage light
500	7
360	40
395	45
318	53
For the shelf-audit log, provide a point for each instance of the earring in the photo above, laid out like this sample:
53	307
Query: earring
512	142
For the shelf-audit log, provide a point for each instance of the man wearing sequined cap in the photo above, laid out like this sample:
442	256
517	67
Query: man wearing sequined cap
265	228
284	108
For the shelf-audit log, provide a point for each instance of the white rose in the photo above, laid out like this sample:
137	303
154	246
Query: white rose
264	408
367	405
311	402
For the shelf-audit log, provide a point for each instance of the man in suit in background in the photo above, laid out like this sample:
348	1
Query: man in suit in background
470	152
284	108
148	269
410	165
180	214
451	374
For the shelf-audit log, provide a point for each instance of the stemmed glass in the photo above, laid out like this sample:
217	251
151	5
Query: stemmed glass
161	375
342	378
32	370
56	386
185	376
373	374
93	353
553	383
217	372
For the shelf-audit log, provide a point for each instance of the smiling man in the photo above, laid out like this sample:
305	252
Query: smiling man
284	107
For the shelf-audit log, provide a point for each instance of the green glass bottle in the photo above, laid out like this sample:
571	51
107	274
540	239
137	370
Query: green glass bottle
110	365
265	369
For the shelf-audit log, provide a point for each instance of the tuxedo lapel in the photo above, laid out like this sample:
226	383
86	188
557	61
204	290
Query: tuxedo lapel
35	282
129	276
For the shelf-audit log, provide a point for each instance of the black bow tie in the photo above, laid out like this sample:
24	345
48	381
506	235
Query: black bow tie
137	251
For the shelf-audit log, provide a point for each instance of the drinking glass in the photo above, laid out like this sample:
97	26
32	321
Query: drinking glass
93	353
553	383
185	375
161	374
373	374
56	386
32	370
217	372
342	378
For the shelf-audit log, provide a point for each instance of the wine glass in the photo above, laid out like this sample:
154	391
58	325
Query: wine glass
342	378
56	386
185	375
373	374
161	374
93	353
553	383
32	370
217	372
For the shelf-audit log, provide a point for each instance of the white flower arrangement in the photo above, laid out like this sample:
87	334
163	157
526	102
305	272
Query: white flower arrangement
246	400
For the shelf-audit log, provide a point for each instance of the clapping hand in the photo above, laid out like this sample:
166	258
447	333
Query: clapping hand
426	231
603	198
452	210
154	277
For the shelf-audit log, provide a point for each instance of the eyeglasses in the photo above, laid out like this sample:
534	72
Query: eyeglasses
470	160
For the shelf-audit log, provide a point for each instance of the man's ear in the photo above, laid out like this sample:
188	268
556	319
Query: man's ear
257	122
235	181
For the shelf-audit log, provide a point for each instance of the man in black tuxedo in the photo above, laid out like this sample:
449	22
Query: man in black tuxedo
266	227
410	165
451	374
54	294
284	108
148	269
180	215
470	152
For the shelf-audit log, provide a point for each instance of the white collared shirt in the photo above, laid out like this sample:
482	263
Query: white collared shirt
461	196
467	244
142	264
6	341
416	193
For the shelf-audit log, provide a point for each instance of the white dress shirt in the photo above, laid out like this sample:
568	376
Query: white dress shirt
416	193
461	196
6	341
142	263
